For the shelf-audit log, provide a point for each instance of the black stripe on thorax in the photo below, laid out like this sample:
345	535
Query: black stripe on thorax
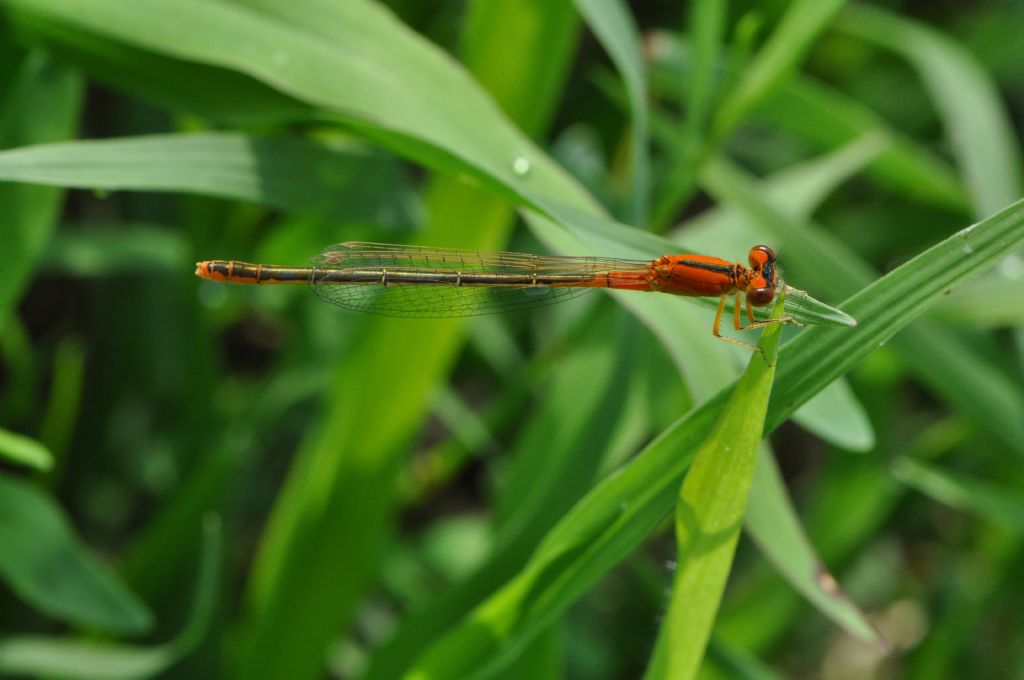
726	269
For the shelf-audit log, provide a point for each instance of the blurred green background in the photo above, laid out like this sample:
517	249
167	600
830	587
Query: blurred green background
199	480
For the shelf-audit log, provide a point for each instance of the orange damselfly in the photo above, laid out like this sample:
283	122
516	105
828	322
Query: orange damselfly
415	281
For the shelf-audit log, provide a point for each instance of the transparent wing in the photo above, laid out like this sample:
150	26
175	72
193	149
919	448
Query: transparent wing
410	281
364	254
441	301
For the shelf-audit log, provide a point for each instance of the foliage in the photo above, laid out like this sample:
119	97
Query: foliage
494	497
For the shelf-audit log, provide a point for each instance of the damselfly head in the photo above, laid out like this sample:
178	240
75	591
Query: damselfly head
761	287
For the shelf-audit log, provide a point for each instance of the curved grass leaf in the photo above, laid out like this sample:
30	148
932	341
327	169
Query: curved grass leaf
279	172
709	513
619	513
993	502
834	534
46	565
23	450
979	131
69	658
706	20
773	524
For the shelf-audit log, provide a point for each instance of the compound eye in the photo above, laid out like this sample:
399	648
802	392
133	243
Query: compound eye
760	255
759	297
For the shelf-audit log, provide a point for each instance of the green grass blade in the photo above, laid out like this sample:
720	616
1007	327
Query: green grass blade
993	502
57	426
46	564
977	127
802	23
57	657
19	363
709	514
24	450
707	19
811	311
41	105
773	524
833	414
279	172
613	25
619	513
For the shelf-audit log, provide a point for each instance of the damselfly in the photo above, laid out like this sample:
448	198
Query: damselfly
415	281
